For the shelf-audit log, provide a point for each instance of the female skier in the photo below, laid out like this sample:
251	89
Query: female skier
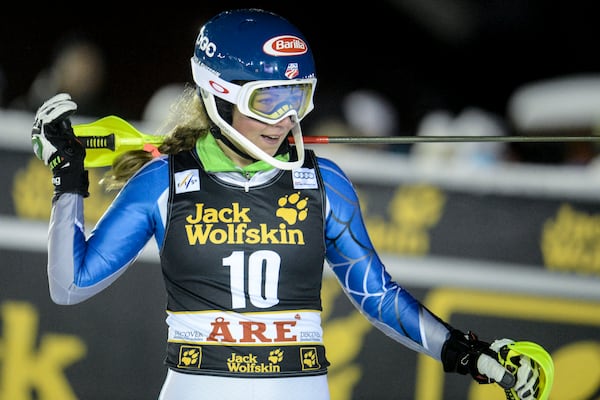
243	222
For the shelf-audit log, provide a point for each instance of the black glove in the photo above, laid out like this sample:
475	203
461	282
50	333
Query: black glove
55	143
465	354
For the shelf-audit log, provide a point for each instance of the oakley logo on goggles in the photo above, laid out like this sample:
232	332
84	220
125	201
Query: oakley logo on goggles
266	101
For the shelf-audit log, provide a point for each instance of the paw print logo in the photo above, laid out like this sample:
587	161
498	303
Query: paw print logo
292	208
276	356
189	357
309	358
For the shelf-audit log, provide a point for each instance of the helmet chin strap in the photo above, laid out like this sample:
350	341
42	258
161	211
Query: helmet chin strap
216	132
239	141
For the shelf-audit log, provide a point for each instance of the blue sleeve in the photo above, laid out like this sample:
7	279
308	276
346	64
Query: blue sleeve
80	267
363	276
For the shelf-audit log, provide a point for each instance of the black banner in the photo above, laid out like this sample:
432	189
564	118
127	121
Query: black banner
113	345
558	234
555	233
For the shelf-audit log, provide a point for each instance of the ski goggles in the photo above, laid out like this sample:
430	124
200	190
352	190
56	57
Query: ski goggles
272	101
267	101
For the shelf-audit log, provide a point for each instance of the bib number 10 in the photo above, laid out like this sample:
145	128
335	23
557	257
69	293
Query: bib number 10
263	278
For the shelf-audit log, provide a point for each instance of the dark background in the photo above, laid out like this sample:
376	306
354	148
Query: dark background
422	54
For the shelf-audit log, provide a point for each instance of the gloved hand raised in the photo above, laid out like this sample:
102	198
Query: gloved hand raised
55	143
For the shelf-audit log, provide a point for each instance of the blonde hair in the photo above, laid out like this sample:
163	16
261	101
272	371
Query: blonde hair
186	122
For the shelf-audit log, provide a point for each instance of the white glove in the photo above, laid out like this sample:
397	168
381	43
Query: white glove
490	367
55	143
527	375
45	126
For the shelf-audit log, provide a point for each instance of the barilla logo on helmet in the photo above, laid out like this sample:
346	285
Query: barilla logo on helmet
286	45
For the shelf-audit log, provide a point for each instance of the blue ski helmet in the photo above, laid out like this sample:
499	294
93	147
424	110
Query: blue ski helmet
241	54
253	44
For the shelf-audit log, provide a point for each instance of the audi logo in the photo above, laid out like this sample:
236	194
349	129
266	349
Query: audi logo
304	174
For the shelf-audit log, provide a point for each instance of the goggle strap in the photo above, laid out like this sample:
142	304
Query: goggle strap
231	92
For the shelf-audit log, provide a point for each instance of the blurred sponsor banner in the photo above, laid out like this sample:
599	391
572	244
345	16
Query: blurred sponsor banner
109	347
420	219
113	345
558	232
